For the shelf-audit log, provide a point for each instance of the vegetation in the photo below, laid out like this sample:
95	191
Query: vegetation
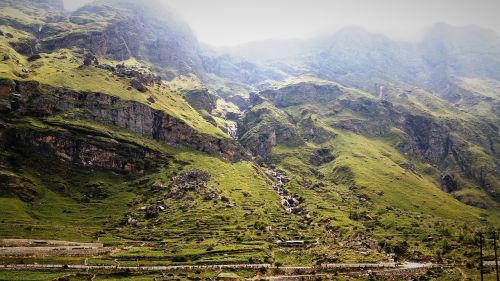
359	165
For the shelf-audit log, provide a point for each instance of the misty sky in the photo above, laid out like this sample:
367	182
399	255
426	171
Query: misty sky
231	22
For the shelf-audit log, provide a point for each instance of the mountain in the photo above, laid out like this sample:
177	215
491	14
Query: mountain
118	126
118	29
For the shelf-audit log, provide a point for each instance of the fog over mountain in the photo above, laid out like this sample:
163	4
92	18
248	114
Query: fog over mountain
231	22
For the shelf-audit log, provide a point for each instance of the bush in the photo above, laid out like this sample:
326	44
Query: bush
179	259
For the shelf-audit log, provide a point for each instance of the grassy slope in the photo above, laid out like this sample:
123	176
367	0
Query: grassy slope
192	226
424	103
188	229
58	207
63	69
403	204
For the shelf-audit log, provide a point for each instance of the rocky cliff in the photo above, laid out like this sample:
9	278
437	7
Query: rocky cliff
90	152
33	99
298	113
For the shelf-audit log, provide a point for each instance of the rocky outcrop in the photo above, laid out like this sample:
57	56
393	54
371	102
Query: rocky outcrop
133	30
380	116
6	95
89	59
260	143
191	179
87	152
443	143
427	138
264	127
27	98
448	183
139	75
301	93
314	133
321	156
201	100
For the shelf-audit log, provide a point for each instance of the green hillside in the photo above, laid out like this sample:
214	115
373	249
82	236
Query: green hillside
117	127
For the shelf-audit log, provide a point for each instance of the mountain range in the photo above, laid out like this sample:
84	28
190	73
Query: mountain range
118	126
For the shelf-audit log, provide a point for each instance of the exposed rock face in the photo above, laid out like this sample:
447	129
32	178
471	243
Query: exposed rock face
136	84
321	156
261	142
449	150
34	57
118	157
134	30
27	47
381	116
445	144
264	127
90	59
448	183
301	93
314	133
139	75
427	139
6	95
202	100
233	116
28	99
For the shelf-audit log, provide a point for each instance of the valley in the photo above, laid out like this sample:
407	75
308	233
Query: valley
160	158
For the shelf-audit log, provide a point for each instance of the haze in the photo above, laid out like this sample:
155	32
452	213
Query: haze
233	22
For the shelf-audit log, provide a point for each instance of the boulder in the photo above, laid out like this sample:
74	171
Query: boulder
136	84
152	211
90	59
34	57
157	186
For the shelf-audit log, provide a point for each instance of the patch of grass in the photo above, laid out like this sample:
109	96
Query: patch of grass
15	275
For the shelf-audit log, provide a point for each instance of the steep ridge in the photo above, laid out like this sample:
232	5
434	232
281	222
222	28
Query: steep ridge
451	145
28	99
118	29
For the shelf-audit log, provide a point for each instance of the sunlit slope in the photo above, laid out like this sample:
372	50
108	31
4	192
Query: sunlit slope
64	69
